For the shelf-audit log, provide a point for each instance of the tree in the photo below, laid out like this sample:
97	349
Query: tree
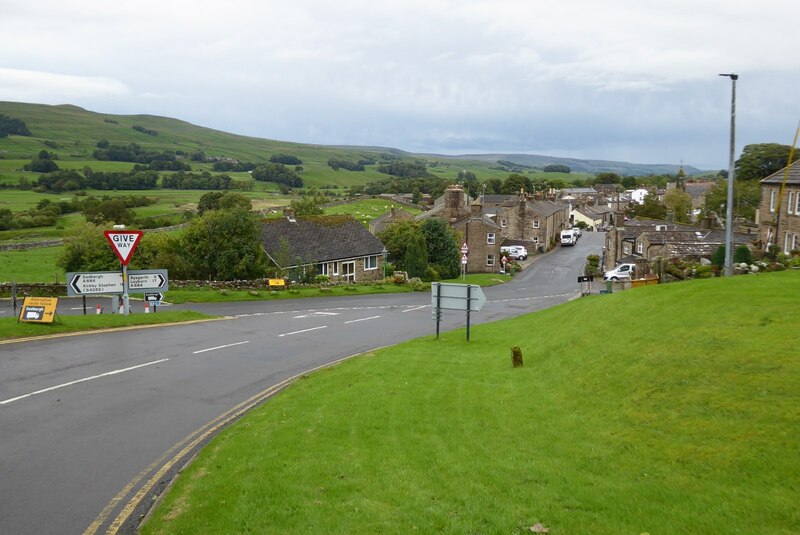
224	245
209	201
680	204
307	205
86	249
416	196
746	198
761	160
396	237
651	208
516	183
231	200
443	252
556	168
108	211
416	256
607	178
10	126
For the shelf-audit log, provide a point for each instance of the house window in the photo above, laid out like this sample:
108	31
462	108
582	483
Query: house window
639	247
323	268
790	204
490	238
796	242
535	223
535	239
371	262
489	260
797	206
772	200
336	269
503	223
349	271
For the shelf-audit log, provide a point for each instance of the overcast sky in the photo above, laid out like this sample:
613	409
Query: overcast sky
612	80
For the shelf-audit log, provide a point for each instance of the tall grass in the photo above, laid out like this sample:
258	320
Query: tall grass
666	409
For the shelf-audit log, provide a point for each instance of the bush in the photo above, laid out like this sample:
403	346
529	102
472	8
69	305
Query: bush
743	254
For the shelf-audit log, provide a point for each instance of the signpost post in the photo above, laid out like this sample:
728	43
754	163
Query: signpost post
464	253
123	243
446	295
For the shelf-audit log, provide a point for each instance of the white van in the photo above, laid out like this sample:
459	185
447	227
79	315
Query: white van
515	252
619	273
568	237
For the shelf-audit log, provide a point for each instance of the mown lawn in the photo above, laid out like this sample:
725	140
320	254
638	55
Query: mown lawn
10	328
665	409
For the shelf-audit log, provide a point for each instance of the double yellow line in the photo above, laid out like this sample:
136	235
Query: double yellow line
170	460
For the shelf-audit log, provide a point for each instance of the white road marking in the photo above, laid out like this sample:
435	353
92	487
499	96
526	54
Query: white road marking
316	313
415	308
303	331
220	347
12	400
362	319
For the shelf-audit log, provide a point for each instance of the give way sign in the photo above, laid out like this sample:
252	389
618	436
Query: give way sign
123	242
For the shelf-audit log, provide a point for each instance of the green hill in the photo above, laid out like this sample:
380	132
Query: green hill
73	132
665	409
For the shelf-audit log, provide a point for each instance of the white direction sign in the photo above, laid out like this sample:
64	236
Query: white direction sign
148	279
102	282
454	296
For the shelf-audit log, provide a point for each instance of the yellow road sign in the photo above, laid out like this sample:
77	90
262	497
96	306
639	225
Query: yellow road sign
38	309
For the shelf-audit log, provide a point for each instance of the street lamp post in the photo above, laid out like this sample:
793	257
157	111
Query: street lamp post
384	254
731	175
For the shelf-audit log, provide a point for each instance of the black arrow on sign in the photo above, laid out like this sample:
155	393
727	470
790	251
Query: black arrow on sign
74	283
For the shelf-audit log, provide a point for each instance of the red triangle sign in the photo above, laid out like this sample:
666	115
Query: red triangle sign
123	243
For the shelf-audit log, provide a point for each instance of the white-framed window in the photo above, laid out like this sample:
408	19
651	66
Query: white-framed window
490	238
335	269
349	271
797	206
490	260
796	242
370	263
535	239
503	223
535	223
639	247
323	268
790	204
772	200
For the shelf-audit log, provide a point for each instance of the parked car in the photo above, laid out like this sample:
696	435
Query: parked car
621	272
514	252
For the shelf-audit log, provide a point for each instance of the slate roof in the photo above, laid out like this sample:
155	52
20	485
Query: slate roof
545	208
777	177
319	238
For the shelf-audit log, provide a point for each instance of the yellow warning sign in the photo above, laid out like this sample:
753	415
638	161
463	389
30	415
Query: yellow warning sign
38	309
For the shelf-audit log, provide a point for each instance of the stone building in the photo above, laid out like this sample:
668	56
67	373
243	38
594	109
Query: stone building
779	215
481	234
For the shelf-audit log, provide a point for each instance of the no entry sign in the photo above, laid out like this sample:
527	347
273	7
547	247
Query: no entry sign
123	242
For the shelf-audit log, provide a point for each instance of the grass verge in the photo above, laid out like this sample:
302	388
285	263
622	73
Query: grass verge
9	328
677	414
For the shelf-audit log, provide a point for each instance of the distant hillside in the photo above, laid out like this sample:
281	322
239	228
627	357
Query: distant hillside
73	132
537	161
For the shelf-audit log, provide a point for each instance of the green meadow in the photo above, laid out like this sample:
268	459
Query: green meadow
661	410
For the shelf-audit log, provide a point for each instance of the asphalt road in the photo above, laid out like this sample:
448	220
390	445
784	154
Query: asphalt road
89	421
